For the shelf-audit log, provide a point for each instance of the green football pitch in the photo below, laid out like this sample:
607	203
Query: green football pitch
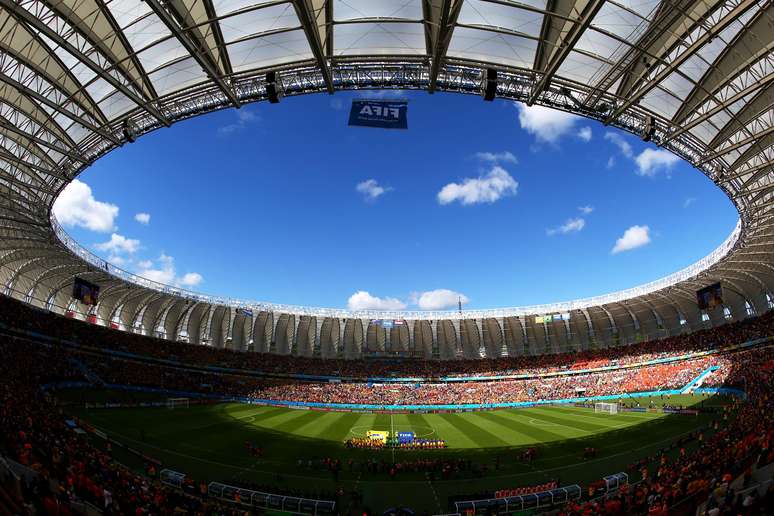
207	442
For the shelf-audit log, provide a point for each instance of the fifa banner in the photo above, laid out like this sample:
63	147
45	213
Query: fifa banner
378	435
387	323
386	114
405	437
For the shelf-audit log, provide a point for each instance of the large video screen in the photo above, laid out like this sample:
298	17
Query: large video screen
709	297
85	292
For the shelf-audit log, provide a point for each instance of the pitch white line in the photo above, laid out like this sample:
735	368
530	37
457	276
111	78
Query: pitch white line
392	435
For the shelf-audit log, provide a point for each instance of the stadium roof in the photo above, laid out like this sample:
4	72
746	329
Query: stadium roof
80	78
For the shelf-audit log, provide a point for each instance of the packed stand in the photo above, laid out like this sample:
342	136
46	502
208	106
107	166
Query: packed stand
18	315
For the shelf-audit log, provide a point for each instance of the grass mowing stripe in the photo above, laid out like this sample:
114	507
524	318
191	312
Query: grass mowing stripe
542	415
224	419
320	428
516	436
419	423
619	421
481	436
587	413
446	430
340	429
520	420
295	421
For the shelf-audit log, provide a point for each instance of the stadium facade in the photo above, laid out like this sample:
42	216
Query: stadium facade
81	78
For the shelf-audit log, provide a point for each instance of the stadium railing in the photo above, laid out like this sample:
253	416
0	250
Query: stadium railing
613	482
250	498
543	499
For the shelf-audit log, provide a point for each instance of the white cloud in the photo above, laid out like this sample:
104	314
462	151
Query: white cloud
546	124
118	261
439	299
571	226
119	244
584	133
634	237
619	141
244	117
362	300
76	206
586	209
371	189
610	162
687	202
497	157
142	218
489	188
650	161
191	279
166	273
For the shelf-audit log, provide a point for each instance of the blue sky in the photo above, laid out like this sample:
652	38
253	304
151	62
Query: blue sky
501	204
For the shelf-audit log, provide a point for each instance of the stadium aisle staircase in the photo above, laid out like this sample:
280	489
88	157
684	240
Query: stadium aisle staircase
696	382
90	375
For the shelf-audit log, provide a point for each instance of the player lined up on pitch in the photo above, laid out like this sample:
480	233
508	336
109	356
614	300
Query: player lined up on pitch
379	439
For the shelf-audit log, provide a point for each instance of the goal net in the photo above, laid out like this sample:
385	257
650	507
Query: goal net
173	403
608	408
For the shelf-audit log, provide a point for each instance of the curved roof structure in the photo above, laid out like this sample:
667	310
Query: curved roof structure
79	78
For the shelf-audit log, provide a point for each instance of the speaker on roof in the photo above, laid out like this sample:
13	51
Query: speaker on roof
129	130
649	130
489	84
273	87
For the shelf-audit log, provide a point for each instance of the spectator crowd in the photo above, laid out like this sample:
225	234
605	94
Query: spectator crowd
34	430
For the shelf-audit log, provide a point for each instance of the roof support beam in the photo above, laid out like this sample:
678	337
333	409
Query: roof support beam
726	179
635	96
753	138
728	65
446	19
306	14
129	67
225	61
176	24
37	24
39	142
563	45
735	121
673	22
760	146
763	101
53	105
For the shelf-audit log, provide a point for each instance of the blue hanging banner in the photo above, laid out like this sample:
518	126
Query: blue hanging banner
387	114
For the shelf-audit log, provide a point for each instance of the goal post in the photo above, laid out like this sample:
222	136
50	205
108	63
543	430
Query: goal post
173	403
606	408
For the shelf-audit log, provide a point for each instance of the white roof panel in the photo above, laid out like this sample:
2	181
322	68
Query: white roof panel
271	50
257	21
146	31
359	9
161	53
379	38
477	12
128	11
498	48
224	7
